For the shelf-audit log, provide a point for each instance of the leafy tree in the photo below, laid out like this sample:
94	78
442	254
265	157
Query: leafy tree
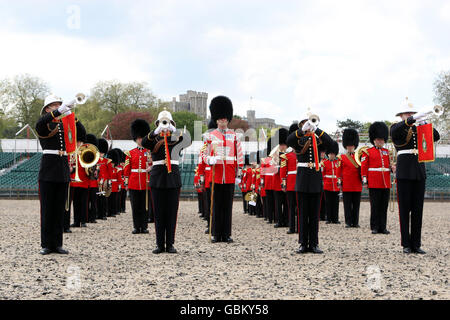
185	118
442	97
93	117
118	97
121	123
23	97
349	123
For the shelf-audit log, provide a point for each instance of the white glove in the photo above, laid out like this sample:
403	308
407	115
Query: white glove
364	180
237	181
64	109
306	126
158	130
420	115
211	160
172	128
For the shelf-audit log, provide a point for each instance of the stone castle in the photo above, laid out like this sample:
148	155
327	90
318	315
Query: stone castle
192	101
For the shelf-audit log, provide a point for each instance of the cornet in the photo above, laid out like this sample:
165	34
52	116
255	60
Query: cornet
314	119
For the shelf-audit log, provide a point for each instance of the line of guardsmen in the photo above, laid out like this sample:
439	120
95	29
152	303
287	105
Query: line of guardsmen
291	189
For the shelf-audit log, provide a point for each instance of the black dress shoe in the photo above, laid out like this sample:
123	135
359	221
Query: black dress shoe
83	225
60	250
290	232
336	222
407	250
418	250
315	250
356	226
158	250
73	225
45	251
302	249
135	231
227	239
374	231
278	226
104	218
171	249
215	239
67	231
385	232
328	222
92	221
144	231
348	226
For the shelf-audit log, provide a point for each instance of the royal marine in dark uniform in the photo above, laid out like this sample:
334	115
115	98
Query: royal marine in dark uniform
54	175
411	176
309	184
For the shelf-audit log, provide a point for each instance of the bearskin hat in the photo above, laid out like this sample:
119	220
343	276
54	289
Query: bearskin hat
321	148
92	139
293	127
282	135
247	160
378	130
103	146
221	107
333	148
350	137
139	129
81	133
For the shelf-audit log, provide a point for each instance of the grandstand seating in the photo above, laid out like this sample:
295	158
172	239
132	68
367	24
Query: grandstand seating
25	176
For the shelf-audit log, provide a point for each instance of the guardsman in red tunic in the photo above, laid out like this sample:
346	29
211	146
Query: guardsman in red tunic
349	174
123	186
224	152
256	179
376	175
137	173
281	212
120	182
199	190
104	178
330	183
112	200
243	184
269	173
260	186
93	183
288	173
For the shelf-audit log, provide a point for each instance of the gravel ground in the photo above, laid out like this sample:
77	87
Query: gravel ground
107	262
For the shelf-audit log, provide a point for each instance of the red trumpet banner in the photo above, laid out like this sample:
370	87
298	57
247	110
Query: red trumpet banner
425	143
70	133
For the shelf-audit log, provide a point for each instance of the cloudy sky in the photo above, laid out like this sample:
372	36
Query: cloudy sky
343	59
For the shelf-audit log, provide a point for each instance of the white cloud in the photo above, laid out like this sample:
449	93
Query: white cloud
70	65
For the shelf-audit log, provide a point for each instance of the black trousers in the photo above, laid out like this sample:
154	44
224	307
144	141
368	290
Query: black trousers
52	198
92	208
245	203
270	198
80	205
200	202
67	213
265	211
123	200
222	210
259	207
166	208
292	211
410	202
309	208
101	206
151	207
323	207
207	204
352	202
139	213
332	205
281	213
112	204
379	202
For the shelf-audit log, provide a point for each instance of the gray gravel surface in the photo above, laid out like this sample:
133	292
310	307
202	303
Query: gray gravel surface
107	262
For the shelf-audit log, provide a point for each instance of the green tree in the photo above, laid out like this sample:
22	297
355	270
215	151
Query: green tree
23	97
349	123
93	117
117	97
442	97
185	118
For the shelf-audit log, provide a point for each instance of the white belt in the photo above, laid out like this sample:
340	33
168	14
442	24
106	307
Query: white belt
380	169
163	162
55	152
226	158
331	177
305	165
208	169
292	172
114	180
410	151
138	170
269	174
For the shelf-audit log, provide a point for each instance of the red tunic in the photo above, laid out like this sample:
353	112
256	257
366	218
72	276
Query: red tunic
330	175
376	167
349	174
288	170
135	168
83	177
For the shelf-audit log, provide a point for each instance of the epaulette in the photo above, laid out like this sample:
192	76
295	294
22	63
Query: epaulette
109	161
127	153
284	156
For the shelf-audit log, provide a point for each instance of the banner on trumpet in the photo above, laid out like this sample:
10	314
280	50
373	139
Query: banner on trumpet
70	133
425	143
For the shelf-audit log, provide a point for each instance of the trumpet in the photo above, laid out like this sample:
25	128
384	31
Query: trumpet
436	111
80	98
88	156
314	119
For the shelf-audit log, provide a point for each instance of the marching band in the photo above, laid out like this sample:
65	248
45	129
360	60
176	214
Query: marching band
294	183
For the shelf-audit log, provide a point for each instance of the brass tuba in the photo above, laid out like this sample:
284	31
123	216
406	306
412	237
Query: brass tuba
359	152
89	155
